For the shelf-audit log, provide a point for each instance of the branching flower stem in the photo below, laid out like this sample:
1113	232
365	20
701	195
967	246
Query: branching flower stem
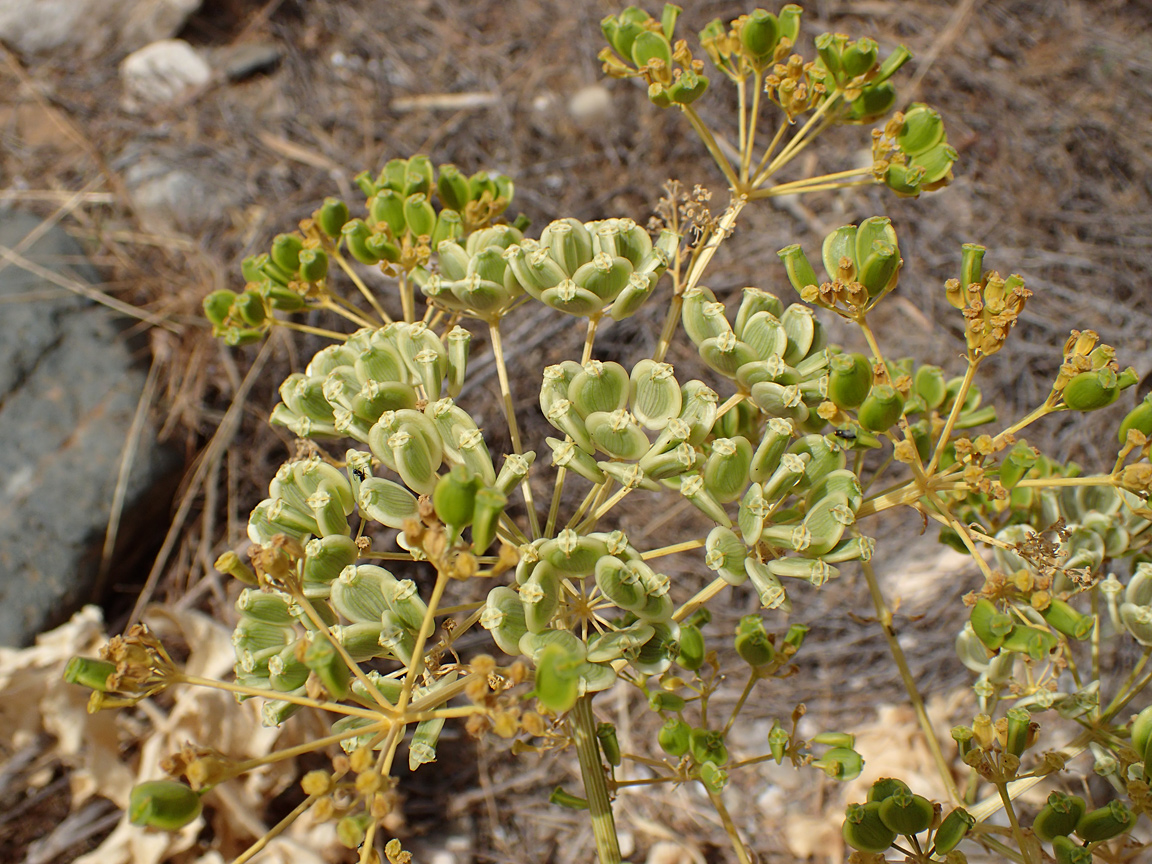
510	418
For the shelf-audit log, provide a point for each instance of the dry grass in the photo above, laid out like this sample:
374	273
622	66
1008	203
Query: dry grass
1049	104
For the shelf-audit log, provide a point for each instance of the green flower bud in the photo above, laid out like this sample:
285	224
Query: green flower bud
1058	817
1106	822
163	804
331	217
1089	391
881	409
707	745
674	737
865	831
952	830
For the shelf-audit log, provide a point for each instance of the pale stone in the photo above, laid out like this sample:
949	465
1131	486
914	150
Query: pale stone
161	73
90	26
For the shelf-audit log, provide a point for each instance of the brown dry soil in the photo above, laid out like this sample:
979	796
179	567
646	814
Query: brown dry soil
1048	103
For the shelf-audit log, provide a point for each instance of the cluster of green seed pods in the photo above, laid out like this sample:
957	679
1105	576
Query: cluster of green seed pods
588	269
534	616
1063	815
1132	610
893	810
752	42
280	280
852	67
776	355
641	46
474	278
862	263
913	152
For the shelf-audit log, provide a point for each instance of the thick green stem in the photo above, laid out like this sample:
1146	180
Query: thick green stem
595	782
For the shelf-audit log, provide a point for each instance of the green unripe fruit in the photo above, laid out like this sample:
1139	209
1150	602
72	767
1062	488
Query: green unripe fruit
218	304
1106	822
453	188
1089	391
1067	852
886	787
661	700
419	215
1033	641
692	649
313	264
674	737
759	35
650	46
1142	731
849	380
1058	817
250	307
1067	620
1139	418
952	830
356	234
881	409
89	672
865	831
990	624
905	813
331	217
707	745
606	735
286	250
687	87
387	208
1016	738
454	498
163	804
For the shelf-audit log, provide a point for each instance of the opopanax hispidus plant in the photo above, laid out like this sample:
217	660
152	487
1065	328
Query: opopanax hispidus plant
397	478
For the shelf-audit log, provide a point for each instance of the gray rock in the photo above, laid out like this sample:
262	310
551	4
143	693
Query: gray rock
177	191
91	26
68	392
238	62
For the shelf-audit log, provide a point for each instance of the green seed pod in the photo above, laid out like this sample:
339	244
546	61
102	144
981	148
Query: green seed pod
752	302
356	234
702	316
990	624
811	570
849	380
952	830
1067	620
386	502
777	435
163	804
768	587
218	305
249	307
936	165
752	643
331	217
838	254
653	394
454	499
449	228
1139	418
865	831
620	583
609	745
692	487
650	47
1036	643
270	606
1142	731
725	554
323	659
859	57
885	787
726	471
285	671
313	264
359	594
882	409
803	331
453	188
1016	464
880	269
540	595
89	672
503	617
418	175
1106	822
921	131
286	250
1089	391
661	700
490	506
841	763
1016	737
569	242
361	641
707	745
674	737
759	35
621	30
691	648
1066	851
1058	817
876	100
699	411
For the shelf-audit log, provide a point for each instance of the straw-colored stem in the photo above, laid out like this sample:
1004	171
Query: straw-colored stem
342	263
595	781
510	418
